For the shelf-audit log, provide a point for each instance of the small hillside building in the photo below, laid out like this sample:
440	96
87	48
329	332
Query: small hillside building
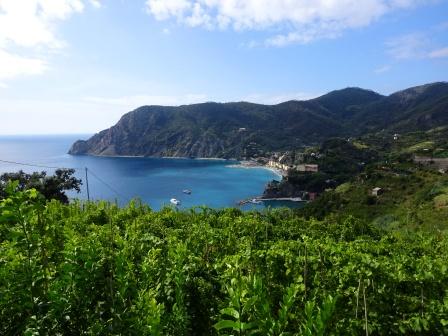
377	191
313	168
312	196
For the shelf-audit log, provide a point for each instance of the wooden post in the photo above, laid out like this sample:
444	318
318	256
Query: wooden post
305	271
365	309
87	185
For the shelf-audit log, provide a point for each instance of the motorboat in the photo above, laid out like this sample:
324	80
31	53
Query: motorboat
175	201
187	191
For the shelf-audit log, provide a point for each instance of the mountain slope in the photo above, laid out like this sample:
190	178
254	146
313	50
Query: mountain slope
418	108
343	103
211	130
238	130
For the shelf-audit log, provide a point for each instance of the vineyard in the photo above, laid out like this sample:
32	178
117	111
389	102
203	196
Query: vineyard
98	269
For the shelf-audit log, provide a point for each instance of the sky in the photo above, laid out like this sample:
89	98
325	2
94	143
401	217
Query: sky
76	66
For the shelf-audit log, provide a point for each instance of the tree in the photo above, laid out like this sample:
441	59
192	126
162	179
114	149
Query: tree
51	187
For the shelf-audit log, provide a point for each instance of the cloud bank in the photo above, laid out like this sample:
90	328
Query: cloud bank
28	32
295	21
415	46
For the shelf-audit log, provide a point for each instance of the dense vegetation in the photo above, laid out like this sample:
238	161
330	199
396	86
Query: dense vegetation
50	186
242	130
96	269
409	168
410	197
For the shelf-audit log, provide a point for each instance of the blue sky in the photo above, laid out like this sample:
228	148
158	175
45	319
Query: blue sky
75	66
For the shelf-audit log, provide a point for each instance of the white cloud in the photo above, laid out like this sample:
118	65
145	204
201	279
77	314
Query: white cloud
439	53
415	46
30	25
382	69
13	65
134	101
300	37
66	116
408	46
164	9
297	21
96	3
442	26
272	99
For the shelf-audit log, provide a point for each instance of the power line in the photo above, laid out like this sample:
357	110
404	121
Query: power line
87	185
35	165
75	168
109	186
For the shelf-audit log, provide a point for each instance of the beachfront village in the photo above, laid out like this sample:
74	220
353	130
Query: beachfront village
308	172
286	165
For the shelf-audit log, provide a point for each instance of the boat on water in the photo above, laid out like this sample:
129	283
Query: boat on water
175	201
255	201
187	191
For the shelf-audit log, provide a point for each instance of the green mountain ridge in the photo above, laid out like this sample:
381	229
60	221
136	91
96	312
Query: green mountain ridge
242	129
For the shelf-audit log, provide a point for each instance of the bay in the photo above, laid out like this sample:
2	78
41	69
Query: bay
153	180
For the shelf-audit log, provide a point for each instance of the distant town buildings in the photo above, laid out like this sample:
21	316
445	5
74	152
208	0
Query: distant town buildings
278	165
312	168
285	163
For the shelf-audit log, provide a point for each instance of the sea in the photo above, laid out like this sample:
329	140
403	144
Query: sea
154	181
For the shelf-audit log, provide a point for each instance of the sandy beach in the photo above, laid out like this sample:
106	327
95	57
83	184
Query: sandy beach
252	165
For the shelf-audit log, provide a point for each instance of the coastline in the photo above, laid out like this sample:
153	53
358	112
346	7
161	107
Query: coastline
197	158
252	165
155	157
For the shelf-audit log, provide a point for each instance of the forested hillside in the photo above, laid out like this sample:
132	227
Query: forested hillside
244	130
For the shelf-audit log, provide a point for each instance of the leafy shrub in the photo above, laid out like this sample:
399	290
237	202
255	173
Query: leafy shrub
97	269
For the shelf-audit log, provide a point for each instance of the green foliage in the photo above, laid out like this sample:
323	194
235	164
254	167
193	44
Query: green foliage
96	269
420	147
412	198
317	320
51	187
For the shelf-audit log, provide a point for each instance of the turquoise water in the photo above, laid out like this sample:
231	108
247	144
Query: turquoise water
155	181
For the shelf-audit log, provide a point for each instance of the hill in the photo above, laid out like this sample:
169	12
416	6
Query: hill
239	130
416	109
211	130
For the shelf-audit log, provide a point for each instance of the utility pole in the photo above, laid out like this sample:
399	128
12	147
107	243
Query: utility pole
87	185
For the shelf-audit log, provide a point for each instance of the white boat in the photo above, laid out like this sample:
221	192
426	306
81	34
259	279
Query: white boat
255	201
175	201
187	191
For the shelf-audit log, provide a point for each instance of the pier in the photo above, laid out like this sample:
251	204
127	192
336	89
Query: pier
258	200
